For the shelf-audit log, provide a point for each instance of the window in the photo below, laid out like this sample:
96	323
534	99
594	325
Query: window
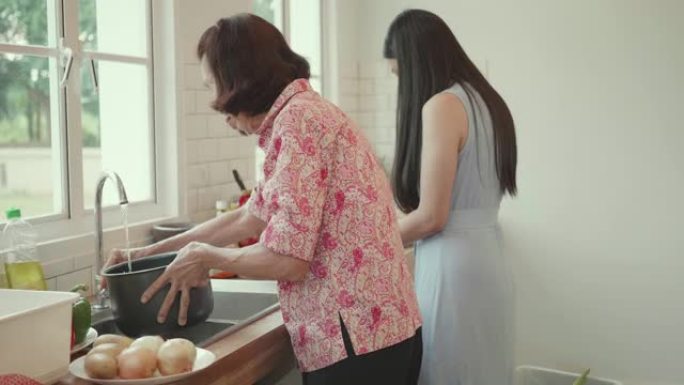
75	99
116	97
30	135
300	22
304	34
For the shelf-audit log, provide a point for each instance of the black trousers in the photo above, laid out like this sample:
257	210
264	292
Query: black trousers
395	365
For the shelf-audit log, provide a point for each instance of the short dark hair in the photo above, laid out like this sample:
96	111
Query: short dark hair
251	63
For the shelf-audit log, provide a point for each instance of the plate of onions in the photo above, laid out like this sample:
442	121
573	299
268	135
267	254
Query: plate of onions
147	360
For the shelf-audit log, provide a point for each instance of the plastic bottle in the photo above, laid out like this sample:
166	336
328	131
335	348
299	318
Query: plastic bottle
22	268
221	207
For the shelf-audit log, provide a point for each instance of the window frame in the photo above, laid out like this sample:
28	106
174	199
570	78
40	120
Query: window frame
284	25
73	112
52	52
75	222
321	49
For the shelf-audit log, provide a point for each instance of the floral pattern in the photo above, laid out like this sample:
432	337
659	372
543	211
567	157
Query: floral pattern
326	200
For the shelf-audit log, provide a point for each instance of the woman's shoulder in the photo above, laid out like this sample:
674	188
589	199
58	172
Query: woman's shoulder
445	119
308	115
301	104
444	103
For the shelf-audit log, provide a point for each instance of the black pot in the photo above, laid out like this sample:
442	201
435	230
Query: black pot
168	230
135	318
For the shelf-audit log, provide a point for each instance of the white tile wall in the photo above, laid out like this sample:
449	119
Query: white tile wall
67	281
213	149
64	273
196	125
189	102
59	267
193	76
368	93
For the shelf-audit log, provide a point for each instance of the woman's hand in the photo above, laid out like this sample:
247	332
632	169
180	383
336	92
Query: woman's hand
117	256
185	272
121	255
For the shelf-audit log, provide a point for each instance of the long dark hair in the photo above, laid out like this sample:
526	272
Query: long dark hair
430	60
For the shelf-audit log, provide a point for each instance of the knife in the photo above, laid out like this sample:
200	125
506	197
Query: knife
238	180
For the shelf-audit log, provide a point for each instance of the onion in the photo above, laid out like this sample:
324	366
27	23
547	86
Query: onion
100	365
176	356
110	348
112	338
136	362
150	342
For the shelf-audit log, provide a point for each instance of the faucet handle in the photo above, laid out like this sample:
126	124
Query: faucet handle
98	282
102	297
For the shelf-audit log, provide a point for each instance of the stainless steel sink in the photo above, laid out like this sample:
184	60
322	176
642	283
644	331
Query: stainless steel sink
232	311
237	307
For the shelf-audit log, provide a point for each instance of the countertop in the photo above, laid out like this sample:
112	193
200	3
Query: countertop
260	350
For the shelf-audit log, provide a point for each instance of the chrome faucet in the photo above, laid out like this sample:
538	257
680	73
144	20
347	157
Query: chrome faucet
102	294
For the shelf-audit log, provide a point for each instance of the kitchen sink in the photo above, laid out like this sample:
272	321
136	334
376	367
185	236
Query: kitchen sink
199	334
232	311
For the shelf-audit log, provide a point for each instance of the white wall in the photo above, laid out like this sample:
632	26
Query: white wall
212	149
595	89
364	89
340	53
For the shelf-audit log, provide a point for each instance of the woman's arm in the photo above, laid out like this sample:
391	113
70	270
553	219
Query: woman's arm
445	129
190	269
257	262
229	228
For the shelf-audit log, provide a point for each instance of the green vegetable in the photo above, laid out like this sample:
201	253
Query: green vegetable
80	315
582	379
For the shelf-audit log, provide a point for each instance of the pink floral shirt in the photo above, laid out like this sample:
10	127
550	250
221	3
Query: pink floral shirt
327	201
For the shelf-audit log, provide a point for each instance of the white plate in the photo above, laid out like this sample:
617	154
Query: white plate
203	360
91	336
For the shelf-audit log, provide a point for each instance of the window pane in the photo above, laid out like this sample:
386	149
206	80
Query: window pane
117	133
30	165
23	22
114	26
270	10
305	31
87	20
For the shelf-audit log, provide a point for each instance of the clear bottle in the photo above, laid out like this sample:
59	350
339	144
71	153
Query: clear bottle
22	268
3	276
221	207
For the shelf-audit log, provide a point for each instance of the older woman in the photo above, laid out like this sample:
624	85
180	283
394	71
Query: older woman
324	213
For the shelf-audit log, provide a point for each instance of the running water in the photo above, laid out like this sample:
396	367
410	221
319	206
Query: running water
124	214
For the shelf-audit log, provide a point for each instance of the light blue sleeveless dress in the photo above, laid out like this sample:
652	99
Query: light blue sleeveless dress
463	278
